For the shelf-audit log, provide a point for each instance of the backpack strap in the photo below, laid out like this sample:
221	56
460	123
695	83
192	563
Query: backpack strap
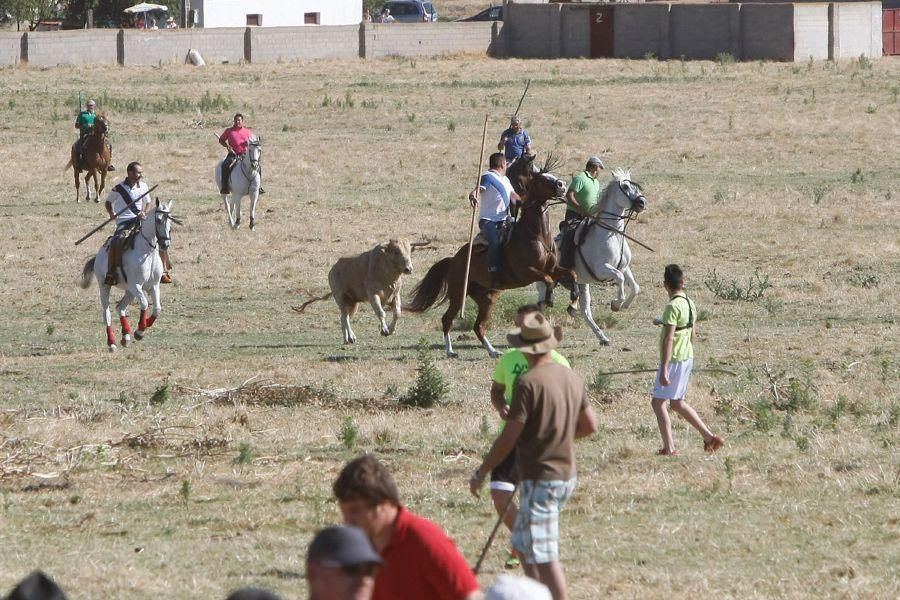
690	324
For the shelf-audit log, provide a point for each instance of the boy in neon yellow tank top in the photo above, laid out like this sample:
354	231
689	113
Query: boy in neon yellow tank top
503	479
676	360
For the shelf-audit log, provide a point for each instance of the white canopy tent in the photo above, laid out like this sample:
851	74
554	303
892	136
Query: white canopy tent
144	7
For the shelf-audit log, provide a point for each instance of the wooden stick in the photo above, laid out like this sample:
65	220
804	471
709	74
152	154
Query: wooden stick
113	218
490	539
465	289
630	371
527	85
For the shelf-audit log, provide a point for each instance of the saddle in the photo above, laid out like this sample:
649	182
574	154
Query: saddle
479	244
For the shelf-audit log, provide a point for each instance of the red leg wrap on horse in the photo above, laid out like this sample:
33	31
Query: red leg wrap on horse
126	326
142	323
151	320
110	337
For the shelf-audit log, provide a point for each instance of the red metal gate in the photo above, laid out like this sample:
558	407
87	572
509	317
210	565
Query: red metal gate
601	32
890	31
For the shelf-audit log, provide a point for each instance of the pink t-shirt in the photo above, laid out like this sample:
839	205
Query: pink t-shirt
237	138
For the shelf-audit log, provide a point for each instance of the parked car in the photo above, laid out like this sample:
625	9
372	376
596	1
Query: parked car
492	13
412	11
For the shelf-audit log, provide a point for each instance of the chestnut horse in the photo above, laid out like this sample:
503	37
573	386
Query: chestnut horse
95	159
530	255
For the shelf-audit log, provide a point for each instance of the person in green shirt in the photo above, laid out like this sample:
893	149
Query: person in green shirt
508	369
84	123
676	360
582	197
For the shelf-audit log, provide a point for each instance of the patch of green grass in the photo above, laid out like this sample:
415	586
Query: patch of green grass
349	435
430	387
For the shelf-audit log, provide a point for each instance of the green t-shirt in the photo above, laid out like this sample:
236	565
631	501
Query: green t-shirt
512	364
85	121
678	313
587	191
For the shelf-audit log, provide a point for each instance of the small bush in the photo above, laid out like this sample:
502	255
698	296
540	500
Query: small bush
763	416
864	277
857	176
732	290
185	491
430	386
349	433
245	454
161	395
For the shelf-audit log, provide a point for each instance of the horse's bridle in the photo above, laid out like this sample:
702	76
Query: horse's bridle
253	168
161	239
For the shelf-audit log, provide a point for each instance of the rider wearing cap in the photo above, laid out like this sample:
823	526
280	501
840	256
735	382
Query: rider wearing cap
235	139
84	123
582	197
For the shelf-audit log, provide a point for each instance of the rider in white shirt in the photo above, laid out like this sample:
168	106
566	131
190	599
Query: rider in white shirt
497	196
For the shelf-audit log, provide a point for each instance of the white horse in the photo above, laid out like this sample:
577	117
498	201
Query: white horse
140	272
603	254
245	180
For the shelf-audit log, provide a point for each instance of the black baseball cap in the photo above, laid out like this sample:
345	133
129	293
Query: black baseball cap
344	545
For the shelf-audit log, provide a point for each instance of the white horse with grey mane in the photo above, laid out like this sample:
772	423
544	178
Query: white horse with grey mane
602	253
139	274
245	180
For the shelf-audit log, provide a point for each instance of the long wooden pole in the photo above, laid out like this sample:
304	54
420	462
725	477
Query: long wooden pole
465	289
113	218
490	539
701	370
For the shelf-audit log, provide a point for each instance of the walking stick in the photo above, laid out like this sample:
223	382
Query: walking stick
701	370
465	289
490	539
113	218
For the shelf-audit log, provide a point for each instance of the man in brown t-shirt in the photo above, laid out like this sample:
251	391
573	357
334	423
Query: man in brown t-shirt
549	412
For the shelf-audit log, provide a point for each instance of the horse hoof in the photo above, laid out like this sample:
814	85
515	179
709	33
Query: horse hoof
614	306
252	224
452	355
495	354
385	332
126	339
139	334
112	347
571	311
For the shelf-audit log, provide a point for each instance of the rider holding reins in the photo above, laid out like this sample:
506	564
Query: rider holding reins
84	123
126	201
235	139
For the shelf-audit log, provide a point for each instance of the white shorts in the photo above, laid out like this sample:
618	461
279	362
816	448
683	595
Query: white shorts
679	375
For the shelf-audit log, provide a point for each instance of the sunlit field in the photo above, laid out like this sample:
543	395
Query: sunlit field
201	458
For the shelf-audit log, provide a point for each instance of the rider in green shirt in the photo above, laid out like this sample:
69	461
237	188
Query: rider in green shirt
582	197
84	123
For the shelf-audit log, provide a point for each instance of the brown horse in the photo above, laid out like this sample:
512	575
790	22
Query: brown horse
96	157
529	256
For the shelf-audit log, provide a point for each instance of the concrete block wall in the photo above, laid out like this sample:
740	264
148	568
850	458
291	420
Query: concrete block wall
11	48
810	20
703	31
856	30
140	47
575	24
271	44
641	29
532	30
767	31
425	39
81	46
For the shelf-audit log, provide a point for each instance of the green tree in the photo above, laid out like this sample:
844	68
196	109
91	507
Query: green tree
31	12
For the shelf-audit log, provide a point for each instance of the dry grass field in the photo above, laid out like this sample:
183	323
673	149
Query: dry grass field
201	458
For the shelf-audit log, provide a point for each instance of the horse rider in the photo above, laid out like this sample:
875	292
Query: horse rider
514	141
235	139
125	204
84	123
582	197
497	197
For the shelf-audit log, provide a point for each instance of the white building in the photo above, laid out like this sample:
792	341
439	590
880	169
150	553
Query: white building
275	13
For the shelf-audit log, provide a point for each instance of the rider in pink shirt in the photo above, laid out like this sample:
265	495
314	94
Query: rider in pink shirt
235	139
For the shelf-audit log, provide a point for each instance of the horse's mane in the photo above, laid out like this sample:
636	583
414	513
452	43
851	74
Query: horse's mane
550	164
619	175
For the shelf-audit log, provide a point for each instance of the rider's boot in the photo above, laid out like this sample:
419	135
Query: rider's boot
111	277
226	175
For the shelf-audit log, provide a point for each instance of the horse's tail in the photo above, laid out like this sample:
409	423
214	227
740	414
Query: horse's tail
303	306
432	289
86	272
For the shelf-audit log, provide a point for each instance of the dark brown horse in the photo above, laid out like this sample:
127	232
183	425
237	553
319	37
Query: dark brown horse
529	256
96	157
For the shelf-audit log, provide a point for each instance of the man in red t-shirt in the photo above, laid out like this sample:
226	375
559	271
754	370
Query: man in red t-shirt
235	139
420	560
